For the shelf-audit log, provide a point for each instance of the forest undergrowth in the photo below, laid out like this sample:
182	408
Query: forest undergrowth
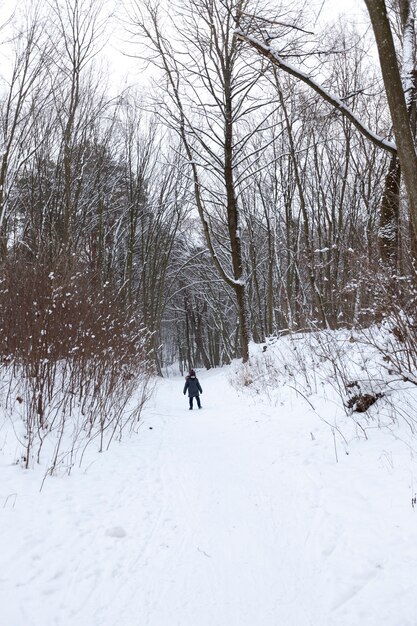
74	365
363	376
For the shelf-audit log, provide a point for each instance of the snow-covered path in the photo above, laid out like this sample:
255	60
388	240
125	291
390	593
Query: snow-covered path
235	515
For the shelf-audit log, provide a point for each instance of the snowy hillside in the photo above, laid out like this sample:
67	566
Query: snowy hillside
253	511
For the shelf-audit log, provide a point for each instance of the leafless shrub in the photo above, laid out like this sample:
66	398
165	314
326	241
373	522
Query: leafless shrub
365	372
77	356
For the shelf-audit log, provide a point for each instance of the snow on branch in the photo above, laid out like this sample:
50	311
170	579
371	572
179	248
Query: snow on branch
274	22
408	73
268	52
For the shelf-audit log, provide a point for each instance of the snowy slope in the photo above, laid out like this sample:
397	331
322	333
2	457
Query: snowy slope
235	515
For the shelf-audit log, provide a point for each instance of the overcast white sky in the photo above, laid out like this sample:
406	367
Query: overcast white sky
330	10
354	8
120	65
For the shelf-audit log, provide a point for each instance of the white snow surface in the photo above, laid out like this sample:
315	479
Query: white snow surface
235	515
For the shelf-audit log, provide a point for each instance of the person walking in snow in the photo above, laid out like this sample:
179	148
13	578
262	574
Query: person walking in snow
194	389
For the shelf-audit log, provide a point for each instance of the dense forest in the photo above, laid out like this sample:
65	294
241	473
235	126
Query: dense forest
260	181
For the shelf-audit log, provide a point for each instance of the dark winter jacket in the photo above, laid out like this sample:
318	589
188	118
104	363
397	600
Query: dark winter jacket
193	386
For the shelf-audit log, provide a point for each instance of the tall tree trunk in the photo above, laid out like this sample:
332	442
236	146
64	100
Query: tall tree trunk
233	215
397	105
389	215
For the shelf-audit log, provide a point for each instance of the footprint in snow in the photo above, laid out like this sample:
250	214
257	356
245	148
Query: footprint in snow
116	531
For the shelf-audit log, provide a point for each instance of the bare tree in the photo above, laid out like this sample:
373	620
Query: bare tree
400	86
210	94
77	37
26	93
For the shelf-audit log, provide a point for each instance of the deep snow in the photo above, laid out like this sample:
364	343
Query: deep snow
235	515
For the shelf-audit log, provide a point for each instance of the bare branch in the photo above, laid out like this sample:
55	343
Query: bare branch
334	101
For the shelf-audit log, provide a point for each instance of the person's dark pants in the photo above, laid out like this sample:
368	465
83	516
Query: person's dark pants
191	398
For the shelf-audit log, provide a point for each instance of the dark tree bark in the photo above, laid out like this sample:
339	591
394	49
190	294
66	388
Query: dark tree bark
397	104
389	214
